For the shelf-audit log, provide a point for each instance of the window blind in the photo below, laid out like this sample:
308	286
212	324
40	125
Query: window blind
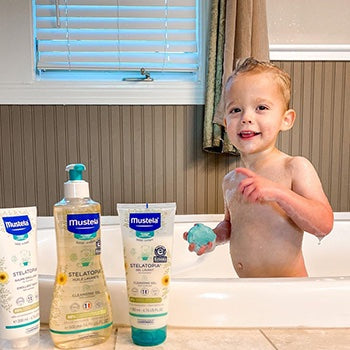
158	35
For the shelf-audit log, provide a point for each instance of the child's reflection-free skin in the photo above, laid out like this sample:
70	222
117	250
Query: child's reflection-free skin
275	197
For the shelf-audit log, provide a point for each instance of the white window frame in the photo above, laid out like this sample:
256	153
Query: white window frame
20	85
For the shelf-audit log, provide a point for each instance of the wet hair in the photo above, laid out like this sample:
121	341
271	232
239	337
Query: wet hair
252	65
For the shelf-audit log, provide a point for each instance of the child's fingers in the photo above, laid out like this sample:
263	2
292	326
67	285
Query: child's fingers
246	185
202	250
246	180
245	171
253	196
210	246
205	248
185	235
191	247
248	191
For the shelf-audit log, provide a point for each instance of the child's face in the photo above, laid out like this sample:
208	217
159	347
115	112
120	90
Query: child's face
255	112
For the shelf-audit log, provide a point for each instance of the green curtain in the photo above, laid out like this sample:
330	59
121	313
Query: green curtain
238	29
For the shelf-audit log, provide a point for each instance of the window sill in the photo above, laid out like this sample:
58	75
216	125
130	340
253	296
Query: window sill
158	92
120	93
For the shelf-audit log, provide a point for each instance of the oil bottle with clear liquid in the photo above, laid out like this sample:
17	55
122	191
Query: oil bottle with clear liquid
80	314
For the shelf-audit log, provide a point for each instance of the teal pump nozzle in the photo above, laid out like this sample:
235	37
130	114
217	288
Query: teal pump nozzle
75	171
76	187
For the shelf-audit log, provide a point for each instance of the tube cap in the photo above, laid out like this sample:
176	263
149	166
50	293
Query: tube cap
148	337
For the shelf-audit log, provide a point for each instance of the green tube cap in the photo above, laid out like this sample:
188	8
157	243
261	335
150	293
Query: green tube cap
148	337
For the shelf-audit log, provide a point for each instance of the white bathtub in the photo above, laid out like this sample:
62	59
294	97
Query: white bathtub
205	291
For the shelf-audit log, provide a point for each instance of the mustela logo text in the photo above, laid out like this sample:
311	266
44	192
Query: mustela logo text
145	222
18	226
84	226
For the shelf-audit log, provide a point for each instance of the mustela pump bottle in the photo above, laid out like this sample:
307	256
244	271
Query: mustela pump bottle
80	314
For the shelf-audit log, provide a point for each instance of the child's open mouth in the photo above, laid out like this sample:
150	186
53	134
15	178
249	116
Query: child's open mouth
248	134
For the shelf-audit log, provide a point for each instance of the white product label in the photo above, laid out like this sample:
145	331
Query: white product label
19	294
147	238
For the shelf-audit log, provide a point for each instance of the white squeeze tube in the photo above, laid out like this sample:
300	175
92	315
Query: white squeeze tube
147	231
19	287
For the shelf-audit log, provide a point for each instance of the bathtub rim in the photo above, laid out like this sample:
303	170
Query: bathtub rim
46	222
255	303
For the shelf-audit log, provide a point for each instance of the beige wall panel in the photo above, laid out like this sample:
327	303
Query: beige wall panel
180	160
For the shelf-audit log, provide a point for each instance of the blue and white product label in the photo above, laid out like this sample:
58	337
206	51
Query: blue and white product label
19	287
145	224
84	226
18	226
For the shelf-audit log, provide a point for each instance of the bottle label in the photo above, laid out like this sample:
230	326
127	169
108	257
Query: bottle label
80	301
83	226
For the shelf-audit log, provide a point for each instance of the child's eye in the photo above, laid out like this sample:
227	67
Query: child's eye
262	108
235	110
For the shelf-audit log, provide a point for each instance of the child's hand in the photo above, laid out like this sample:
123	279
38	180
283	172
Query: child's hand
201	239
256	188
202	249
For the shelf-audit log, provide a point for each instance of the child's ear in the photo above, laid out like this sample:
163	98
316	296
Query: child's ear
224	122
288	119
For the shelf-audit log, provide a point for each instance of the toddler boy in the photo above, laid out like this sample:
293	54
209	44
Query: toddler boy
275	197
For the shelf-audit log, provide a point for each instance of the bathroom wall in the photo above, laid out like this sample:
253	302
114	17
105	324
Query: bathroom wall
308	22
153	153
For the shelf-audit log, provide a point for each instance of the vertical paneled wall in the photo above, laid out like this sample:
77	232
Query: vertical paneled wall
132	154
321	97
154	154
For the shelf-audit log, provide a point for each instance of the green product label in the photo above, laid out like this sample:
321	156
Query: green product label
144	235
145	300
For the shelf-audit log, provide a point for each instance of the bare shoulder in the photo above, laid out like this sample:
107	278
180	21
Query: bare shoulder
305	179
299	165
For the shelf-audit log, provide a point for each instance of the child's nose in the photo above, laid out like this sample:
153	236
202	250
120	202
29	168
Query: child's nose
247	119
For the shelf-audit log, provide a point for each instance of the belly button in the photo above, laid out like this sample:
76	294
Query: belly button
240	266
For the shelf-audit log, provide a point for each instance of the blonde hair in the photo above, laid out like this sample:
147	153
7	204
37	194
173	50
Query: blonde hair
251	65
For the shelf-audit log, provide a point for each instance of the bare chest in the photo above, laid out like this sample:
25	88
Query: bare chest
238	206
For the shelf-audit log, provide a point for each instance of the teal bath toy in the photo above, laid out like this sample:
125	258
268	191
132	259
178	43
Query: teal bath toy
200	235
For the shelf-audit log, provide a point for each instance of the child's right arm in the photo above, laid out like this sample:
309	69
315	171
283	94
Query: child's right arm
223	232
305	203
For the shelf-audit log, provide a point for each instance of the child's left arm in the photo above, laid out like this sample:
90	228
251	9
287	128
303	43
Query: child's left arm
305	203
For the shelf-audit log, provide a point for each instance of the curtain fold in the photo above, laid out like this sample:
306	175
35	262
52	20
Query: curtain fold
238	29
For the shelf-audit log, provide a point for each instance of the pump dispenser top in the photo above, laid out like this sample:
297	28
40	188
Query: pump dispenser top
76	187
